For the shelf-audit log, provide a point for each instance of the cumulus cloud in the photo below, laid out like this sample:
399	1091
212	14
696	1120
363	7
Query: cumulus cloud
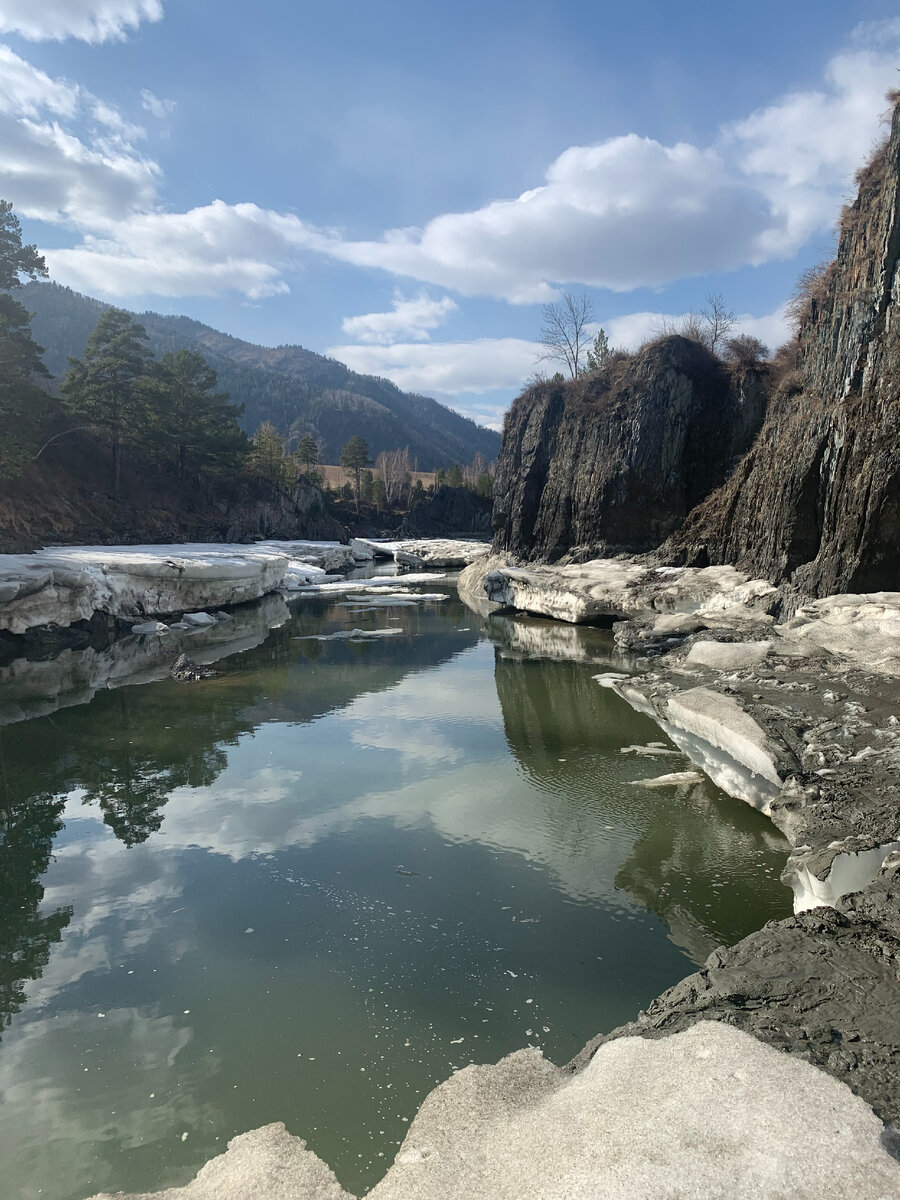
632	329
51	172
412	318
89	20
208	250
631	212
448	367
161	109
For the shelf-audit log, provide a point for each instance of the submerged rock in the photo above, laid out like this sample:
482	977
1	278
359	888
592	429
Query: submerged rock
185	670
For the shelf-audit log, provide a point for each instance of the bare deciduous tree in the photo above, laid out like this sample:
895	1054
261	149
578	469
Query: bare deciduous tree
564	334
477	467
394	467
718	320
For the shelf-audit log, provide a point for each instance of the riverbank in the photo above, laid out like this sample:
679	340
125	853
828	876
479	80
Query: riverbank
799	717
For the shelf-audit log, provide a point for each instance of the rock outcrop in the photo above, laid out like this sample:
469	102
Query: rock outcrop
816	502
616	461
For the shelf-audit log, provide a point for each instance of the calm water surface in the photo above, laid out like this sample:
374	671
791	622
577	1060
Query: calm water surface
313	887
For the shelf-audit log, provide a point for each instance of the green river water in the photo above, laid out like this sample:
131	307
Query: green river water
313	887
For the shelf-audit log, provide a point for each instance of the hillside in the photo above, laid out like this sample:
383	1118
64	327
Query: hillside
296	389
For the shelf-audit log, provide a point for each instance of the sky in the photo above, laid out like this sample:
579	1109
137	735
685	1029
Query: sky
403	186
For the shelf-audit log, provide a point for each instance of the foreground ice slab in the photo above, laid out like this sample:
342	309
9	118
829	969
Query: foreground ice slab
863	629
62	585
703	1114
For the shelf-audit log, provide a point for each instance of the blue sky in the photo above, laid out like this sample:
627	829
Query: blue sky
403	185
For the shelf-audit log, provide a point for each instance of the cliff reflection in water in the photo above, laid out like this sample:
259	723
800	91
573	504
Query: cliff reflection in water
702	861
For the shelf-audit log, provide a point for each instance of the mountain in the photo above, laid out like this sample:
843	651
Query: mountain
297	390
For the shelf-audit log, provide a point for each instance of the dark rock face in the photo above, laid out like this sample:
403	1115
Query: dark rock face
816	502
822	985
450	510
616	461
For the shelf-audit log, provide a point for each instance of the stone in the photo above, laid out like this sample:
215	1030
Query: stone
727	656
185	670
200	620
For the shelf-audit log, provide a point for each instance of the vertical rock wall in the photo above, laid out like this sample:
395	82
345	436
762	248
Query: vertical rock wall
616	461
816	502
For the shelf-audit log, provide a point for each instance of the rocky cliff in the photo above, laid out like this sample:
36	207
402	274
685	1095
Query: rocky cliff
616	461
816	502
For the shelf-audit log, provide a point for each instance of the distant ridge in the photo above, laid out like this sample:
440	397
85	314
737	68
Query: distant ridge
297	390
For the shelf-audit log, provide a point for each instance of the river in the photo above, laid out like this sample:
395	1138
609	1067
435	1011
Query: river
312	887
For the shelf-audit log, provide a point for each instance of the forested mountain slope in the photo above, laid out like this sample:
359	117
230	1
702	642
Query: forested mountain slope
297	390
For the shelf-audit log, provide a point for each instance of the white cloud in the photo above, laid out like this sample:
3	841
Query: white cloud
89	20
447	367
622	214
205	251
26	92
412	318
632	212
54	174
155	106
632	329
495	364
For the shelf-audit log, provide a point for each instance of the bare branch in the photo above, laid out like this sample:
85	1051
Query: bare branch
564	333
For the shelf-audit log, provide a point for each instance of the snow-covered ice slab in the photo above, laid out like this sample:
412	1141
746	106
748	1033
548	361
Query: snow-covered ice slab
352	635
371	584
861	628
439	552
330	556
706	1113
619	589
61	585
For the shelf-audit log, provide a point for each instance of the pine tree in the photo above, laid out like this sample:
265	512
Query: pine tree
196	421
598	352
307	453
354	459
109	387
24	405
267	455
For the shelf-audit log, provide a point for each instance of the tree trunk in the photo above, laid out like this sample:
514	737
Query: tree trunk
117	465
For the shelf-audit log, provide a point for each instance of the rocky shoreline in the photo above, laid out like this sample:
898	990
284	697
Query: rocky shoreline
794	710
800	719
